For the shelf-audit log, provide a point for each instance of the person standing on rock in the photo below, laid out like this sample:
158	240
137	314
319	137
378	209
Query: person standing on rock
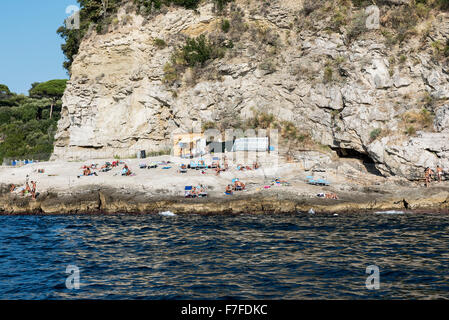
33	190
439	173
428	173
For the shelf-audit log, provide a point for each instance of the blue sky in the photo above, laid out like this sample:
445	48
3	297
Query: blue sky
30	48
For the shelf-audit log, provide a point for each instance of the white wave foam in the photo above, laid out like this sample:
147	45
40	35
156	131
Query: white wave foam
390	212
167	214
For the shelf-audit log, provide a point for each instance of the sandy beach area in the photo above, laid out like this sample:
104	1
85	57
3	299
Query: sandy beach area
150	190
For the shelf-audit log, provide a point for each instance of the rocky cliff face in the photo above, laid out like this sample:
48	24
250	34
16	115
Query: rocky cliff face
362	95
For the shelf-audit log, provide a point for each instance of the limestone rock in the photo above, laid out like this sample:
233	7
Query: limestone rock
117	102
442	119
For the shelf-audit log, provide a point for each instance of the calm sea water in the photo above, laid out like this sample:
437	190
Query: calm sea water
216	257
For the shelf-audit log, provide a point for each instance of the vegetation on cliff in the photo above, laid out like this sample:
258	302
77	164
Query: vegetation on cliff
194	53
27	128
100	14
399	22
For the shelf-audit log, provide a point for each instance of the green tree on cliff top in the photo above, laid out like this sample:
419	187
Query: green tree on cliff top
4	91
53	89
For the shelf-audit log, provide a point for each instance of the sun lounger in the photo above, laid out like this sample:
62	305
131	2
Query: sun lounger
319	182
193	165
201	164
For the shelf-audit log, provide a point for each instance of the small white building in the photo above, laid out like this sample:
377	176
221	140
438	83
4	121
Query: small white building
251	144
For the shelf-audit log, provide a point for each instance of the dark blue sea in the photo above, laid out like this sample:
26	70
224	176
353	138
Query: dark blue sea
299	256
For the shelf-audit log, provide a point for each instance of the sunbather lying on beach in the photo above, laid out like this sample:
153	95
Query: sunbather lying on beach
278	181
87	172
106	167
331	196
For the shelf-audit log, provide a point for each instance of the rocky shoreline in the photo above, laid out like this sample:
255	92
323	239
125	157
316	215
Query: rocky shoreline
106	200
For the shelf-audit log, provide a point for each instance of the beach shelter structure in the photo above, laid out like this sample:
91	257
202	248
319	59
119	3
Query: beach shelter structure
260	144
188	145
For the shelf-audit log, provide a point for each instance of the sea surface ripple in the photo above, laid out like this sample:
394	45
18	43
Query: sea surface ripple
296	256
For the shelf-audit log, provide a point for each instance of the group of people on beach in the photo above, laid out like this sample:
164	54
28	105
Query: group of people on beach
197	191
248	168
218	168
429	175
89	170
237	186
25	190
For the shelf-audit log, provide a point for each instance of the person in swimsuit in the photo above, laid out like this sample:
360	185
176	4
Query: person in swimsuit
26	190
439	173
33	190
238	185
218	170
428	175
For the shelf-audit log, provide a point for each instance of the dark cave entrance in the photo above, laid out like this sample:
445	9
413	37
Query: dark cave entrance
369	163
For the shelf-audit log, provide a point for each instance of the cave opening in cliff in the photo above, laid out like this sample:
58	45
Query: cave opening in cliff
368	163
